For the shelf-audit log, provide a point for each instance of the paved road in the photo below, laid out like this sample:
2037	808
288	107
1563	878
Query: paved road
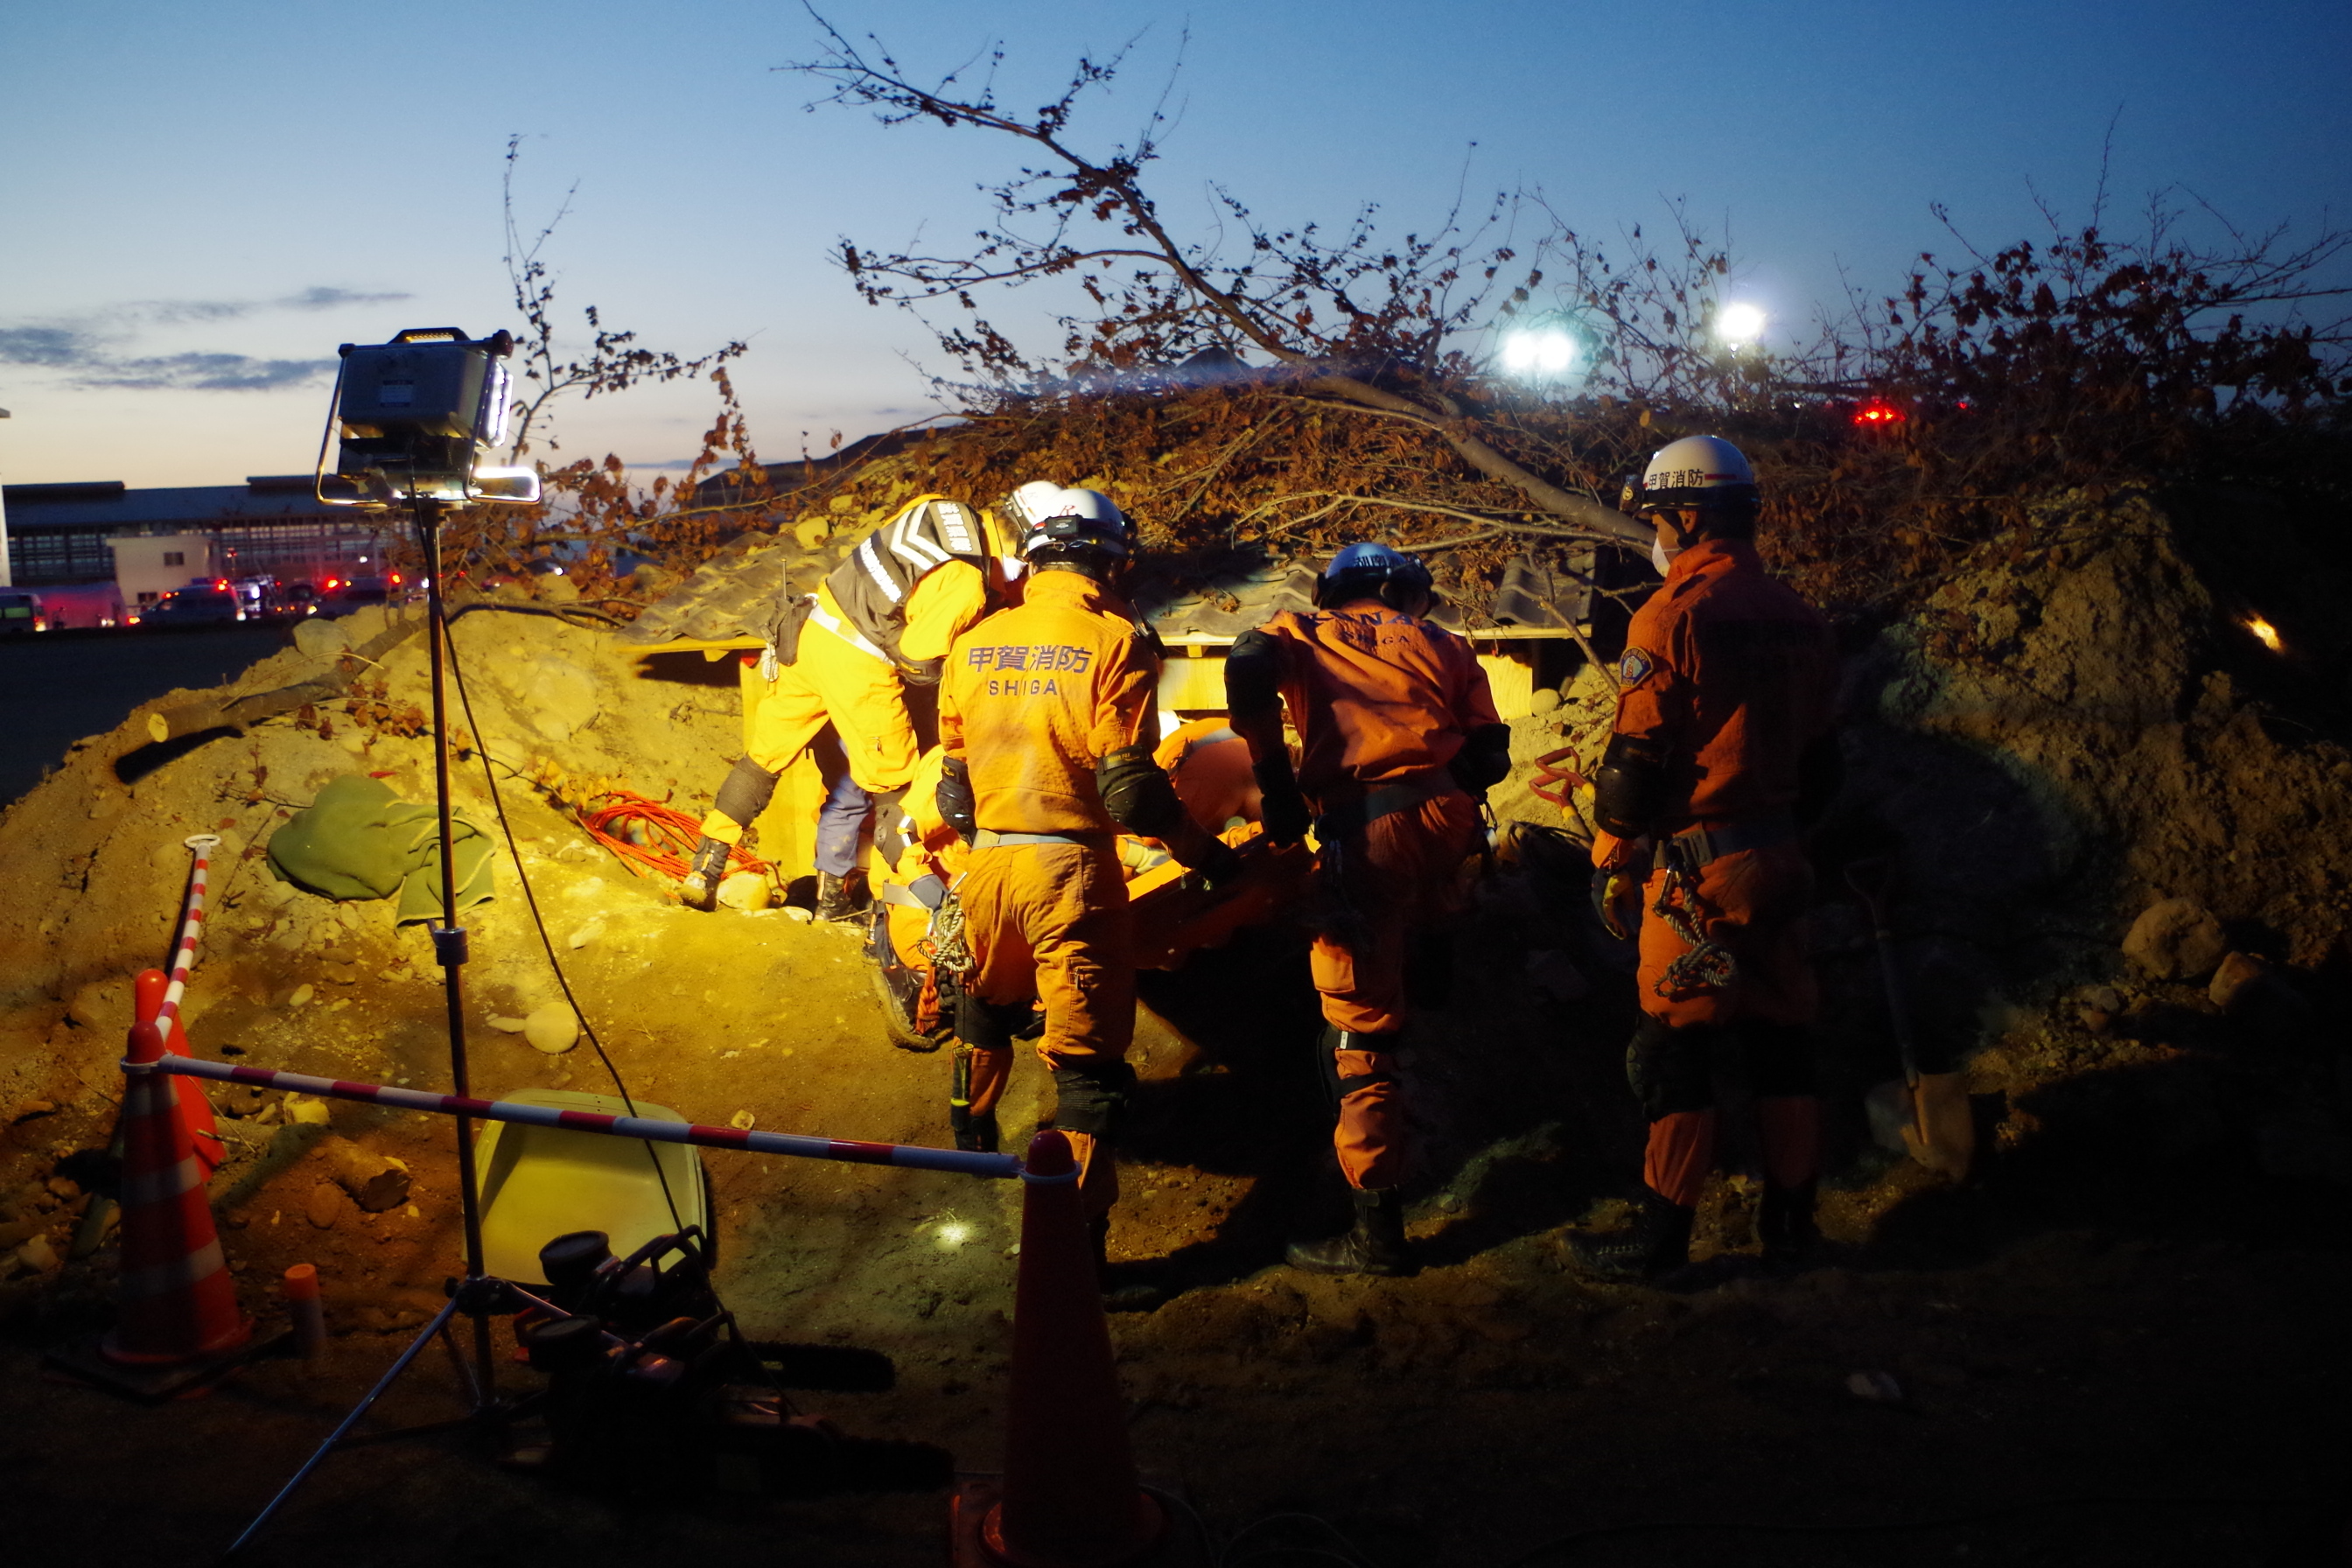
57	687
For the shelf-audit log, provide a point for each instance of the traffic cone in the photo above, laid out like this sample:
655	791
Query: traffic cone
1069	1497
177	1301
195	1111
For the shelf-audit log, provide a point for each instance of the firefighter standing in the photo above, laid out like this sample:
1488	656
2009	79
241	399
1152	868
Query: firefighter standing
1722	752
1397	744
1047	720
880	622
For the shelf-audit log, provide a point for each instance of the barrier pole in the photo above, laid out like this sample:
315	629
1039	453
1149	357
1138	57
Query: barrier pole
857	1152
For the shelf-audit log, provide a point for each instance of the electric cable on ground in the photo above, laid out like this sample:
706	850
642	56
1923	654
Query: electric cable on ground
564	982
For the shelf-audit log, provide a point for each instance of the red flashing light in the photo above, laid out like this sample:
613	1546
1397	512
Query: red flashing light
333	583
222	584
395	579
1877	413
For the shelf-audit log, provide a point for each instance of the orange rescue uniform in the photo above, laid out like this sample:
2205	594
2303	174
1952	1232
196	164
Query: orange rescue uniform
1033	697
1728	678
1383	702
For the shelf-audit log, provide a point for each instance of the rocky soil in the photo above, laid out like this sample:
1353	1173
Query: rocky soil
2135	1298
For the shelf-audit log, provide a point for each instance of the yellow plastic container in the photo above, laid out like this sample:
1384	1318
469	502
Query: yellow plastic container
539	1183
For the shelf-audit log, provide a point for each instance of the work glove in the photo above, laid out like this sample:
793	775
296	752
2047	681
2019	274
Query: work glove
699	890
1281	807
1617	900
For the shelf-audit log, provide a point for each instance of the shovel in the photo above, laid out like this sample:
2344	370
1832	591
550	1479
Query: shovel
1940	1133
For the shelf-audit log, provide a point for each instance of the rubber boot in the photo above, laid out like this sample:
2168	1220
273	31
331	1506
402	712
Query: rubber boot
1784	1224
1122	1292
1657	1242
1375	1244
834	899
699	889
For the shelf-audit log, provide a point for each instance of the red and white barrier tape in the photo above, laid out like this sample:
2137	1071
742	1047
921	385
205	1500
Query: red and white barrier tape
183	958
911	1156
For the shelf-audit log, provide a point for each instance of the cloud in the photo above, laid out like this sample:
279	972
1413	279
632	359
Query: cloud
90	352
48	347
206	372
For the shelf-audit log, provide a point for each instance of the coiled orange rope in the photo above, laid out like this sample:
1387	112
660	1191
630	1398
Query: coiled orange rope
669	836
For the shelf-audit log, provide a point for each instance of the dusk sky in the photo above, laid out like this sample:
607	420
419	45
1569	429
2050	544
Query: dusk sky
201	201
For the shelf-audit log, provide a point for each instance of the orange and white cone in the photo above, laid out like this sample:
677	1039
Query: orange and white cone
177	1301
194	1109
1070	1498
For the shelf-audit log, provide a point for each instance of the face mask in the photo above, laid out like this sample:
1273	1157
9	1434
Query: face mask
1658	556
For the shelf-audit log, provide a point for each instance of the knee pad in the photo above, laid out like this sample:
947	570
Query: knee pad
1093	1097
1671	1070
1779	1057
746	792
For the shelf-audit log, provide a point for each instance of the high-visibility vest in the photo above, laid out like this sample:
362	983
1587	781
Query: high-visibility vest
872	583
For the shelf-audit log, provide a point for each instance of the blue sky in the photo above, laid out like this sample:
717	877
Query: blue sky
198	203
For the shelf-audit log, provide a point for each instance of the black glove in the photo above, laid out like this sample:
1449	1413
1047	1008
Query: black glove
1484	761
1219	865
1281	807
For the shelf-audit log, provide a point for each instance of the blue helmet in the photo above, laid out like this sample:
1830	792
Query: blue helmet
1370	570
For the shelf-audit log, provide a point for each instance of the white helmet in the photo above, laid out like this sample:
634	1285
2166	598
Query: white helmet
1043	517
1697	470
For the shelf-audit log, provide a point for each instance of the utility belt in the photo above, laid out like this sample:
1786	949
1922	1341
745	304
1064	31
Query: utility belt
925	893
1695	848
989	838
1351	808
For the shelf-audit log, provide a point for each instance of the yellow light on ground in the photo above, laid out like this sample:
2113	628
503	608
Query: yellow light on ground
954	1233
1739	325
2265	633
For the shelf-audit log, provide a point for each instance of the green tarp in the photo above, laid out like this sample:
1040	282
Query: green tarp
359	840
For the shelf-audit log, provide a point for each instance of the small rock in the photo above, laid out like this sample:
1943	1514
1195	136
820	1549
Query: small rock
320	639
37	1254
746	890
506	1026
593	931
800	914
2233	983
306	1110
325	1205
2178	938
169	855
741	1121
353	741
1878	1387
553	1029
1543	701
302	994
65	1187
30	1108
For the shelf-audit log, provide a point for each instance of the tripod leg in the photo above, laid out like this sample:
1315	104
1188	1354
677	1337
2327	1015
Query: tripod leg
439	1325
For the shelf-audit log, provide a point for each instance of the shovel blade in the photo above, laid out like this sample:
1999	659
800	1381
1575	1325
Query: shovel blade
1942	1135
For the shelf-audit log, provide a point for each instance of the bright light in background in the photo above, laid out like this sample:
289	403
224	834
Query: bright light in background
1739	325
1538	352
2265	633
953	1233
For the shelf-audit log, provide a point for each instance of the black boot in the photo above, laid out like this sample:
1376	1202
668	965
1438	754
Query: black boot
1657	1242
699	889
975	1130
1375	1244
1784	1224
1122	1292
839	898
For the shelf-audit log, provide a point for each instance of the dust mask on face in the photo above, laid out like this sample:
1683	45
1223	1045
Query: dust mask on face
1658	556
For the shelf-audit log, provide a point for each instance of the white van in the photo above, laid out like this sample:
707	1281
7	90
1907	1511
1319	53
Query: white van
21	612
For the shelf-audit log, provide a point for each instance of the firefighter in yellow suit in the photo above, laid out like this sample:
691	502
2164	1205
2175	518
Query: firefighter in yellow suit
1048	719
882	621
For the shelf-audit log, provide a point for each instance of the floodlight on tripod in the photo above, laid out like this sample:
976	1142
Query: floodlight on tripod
417	415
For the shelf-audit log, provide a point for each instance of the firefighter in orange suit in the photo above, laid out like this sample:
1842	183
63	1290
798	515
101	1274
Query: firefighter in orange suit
880	622
1722	753
1397	744
1047	720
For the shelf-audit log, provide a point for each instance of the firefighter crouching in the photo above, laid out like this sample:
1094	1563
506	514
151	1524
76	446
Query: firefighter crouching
1721	755
1047	720
1398	743
880	622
